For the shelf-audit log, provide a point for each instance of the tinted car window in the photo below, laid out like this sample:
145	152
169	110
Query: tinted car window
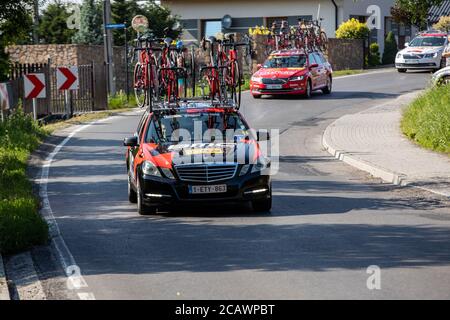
312	59
162	128
428	42
285	62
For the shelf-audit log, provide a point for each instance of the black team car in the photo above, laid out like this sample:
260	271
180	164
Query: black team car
196	153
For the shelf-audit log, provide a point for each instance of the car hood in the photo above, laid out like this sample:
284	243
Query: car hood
279	72
168	155
421	50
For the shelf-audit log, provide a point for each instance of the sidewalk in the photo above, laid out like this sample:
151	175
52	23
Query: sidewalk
372	141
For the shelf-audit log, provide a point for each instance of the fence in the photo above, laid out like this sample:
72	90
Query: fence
90	96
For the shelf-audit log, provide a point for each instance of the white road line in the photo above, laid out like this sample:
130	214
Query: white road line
75	281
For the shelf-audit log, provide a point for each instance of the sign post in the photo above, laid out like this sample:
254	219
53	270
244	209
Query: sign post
66	80
34	88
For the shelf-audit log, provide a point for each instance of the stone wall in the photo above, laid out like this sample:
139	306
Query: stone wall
69	54
346	54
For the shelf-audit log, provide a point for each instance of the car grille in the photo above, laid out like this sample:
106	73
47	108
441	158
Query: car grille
206	172
275	81
413	56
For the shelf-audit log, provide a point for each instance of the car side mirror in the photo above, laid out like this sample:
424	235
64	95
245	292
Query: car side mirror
407	44
131	142
314	65
263	136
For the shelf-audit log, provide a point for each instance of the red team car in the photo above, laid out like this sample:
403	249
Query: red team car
292	72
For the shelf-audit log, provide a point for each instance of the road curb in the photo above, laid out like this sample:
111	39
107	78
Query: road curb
4	291
22	273
389	176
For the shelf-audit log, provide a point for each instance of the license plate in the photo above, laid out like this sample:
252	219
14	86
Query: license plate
274	86
412	61
219	188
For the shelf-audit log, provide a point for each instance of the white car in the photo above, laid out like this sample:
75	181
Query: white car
423	52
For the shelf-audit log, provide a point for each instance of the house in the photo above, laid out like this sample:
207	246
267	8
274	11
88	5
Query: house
437	11
203	17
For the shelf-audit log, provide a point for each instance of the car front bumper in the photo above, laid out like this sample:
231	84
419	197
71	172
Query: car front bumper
160	191
418	64
293	88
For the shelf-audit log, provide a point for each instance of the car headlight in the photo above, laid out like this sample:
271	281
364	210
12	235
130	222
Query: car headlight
256	79
244	170
299	78
431	55
148	168
261	164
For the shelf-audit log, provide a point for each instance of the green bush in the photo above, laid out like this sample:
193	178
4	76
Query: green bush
119	101
374	56
390	49
352	29
427	119
21	226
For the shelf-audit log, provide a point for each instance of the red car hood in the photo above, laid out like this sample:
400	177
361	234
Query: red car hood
279	72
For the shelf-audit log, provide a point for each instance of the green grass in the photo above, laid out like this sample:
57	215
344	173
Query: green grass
427	120
120	101
21	226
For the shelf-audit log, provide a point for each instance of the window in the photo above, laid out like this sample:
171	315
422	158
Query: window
271	20
285	62
312	59
211	28
401	31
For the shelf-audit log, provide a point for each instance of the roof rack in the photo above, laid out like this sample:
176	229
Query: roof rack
193	103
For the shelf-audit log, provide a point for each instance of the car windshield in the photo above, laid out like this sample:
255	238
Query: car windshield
298	61
427	42
166	129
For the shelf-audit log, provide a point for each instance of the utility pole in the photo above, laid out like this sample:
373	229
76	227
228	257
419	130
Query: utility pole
108	42
35	21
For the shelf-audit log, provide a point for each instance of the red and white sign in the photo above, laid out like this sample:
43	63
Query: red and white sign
34	85
67	78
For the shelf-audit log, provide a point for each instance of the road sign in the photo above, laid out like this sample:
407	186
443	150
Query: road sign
34	85
139	23
67	78
116	26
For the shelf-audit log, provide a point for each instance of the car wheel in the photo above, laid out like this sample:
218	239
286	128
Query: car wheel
132	195
256	96
142	208
308	92
401	70
328	88
262	205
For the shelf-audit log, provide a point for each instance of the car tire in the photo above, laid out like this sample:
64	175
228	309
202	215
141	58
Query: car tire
262	205
308	92
329	87
132	195
402	70
256	96
143	209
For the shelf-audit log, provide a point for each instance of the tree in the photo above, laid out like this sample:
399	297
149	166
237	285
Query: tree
53	26
390	49
413	12
352	29
91	23
15	28
161	21
123	11
443	24
374	57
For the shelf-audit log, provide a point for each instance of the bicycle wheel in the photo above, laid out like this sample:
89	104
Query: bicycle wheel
323	41
139	85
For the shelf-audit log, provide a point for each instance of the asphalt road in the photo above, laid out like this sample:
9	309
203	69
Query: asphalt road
328	225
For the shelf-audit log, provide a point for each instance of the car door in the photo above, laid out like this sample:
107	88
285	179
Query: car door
314	71
135	151
322	70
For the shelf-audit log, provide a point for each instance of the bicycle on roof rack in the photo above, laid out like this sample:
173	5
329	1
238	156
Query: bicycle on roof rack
146	86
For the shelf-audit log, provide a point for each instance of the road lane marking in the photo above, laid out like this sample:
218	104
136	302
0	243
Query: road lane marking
57	242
